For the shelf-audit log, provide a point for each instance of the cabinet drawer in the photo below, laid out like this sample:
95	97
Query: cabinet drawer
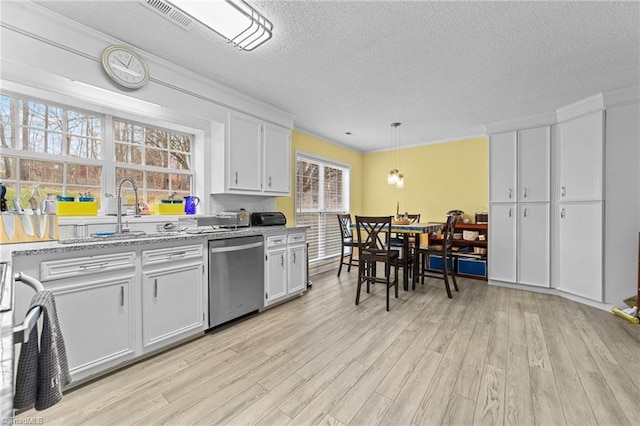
296	238
276	240
151	257
67	268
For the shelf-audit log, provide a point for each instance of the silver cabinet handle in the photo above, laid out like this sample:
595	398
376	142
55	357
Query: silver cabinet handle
269	181
563	191
294	257
94	266
524	195
236	178
155	288
525	213
121	295
509	192
509	212
282	260
562	213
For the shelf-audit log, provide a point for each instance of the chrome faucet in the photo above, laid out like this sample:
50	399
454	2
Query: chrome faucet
119	229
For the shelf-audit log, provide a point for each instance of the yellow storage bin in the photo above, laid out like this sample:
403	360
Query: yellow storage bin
77	208
170	208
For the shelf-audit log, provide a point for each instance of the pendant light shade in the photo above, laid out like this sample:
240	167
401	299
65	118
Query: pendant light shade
394	177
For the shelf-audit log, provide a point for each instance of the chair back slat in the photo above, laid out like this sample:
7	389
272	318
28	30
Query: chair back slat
447	235
370	230
345	226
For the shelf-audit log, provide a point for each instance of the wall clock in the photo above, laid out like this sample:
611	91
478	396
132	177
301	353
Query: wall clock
125	67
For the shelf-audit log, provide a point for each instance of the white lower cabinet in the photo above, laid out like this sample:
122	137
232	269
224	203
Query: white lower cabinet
275	269
579	249
285	267
297	253
533	244
519	243
95	304
502	242
116	306
172	288
97	323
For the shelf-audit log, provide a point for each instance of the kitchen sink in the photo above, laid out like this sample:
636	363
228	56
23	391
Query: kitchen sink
119	237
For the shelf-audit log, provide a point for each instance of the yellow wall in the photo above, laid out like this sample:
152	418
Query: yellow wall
438	178
310	145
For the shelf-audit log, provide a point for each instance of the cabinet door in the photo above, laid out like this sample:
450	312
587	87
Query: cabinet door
276	273
502	242
297	269
579	255
245	153
277	160
502	164
533	164
172	305
96	323
533	244
580	158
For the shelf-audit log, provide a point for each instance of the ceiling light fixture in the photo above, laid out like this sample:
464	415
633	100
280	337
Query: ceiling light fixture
394	177
236	21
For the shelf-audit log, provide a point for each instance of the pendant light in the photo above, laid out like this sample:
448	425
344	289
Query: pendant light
394	177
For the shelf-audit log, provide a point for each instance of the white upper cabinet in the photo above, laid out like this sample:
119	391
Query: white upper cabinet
502	160
580	158
245	153
533	164
254	158
277	160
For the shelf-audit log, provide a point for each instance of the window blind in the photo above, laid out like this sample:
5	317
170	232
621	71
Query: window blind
322	192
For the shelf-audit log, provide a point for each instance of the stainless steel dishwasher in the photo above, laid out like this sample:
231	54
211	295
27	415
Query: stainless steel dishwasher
236	278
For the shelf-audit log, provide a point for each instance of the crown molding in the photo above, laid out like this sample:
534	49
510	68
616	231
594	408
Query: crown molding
520	123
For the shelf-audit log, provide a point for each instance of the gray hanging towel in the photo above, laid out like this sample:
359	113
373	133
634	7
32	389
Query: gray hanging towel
42	374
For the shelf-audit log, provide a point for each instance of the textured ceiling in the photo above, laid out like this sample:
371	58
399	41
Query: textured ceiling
441	68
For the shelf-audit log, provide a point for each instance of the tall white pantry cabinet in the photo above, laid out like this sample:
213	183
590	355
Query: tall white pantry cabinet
519	206
564	209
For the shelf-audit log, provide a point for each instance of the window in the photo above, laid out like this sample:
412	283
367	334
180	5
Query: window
52	148
158	160
322	191
65	151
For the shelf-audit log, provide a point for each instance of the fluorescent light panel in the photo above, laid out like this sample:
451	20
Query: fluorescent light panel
234	20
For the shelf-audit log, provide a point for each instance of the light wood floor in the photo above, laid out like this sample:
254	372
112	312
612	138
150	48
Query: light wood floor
488	356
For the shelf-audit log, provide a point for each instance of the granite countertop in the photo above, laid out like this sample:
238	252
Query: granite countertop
7	251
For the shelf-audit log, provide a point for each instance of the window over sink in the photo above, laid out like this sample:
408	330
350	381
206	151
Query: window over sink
70	151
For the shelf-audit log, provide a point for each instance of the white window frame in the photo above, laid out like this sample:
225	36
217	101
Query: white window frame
108	162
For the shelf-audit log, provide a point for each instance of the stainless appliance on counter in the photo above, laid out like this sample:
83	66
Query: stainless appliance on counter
211	222
268	219
236	278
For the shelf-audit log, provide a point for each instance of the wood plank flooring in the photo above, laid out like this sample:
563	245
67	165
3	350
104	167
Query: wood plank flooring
490	355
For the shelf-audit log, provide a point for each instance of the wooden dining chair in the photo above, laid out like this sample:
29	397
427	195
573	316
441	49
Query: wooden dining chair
444	251
348	243
372	233
397	240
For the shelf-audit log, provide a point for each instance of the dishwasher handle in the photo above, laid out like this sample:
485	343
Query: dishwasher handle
236	248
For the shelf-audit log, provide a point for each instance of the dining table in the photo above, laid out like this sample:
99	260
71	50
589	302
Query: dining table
415	229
